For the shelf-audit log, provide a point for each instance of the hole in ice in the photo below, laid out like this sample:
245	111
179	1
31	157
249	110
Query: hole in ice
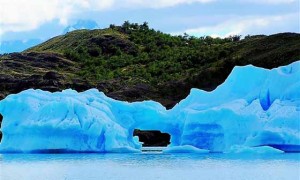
152	138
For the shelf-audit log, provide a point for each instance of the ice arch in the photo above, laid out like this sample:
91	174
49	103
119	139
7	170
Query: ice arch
253	107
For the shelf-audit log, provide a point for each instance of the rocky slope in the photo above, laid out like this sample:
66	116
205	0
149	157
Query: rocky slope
133	62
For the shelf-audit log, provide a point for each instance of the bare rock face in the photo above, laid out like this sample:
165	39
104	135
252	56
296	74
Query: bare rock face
46	71
52	72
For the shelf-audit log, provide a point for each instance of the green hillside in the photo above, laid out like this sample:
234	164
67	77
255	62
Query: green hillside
134	62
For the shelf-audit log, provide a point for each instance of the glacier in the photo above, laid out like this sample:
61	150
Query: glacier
255	109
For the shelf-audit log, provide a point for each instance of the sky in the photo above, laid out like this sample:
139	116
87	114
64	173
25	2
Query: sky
42	19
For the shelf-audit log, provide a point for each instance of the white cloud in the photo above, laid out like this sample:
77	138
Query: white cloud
25	15
268	1
247	25
160	3
21	15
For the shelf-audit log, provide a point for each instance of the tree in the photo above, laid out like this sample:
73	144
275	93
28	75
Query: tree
234	38
112	26
126	25
145	26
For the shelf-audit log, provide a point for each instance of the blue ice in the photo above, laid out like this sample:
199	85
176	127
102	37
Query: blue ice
254	107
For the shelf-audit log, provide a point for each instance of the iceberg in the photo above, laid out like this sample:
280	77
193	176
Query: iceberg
254	107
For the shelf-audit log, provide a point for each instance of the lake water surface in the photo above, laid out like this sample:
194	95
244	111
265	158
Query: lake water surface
149	166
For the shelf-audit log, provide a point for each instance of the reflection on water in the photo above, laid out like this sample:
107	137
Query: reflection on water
149	166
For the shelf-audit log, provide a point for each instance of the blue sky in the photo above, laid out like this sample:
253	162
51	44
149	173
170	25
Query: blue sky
42	19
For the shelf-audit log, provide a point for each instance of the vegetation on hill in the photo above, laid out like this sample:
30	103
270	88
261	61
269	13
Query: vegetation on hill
134	62
135	52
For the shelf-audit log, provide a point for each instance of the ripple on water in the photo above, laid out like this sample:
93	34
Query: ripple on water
149	166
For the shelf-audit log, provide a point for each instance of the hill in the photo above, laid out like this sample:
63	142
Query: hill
134	62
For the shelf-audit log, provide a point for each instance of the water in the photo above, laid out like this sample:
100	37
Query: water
149	166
